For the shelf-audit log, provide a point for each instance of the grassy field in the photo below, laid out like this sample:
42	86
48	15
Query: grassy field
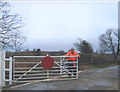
85	67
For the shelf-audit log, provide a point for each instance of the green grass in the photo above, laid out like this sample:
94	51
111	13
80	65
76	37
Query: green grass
85	67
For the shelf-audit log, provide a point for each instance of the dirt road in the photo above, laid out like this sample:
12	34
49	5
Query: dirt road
95	79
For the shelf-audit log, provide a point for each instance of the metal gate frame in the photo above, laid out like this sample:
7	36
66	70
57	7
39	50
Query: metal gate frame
60	64
11	68
3	69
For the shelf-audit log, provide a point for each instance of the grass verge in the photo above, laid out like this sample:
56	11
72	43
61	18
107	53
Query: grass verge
85	67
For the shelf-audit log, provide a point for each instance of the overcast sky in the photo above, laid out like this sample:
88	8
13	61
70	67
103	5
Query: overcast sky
57	25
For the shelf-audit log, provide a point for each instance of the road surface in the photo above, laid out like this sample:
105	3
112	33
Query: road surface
94	79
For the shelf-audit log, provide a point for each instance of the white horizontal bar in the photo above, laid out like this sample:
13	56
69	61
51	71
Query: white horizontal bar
66	76
29	72
38	74
27	62
40	71
20	81
22	68
66	62
34	71
69	66
54	70
43	68
38	62
31	78
70	69
7	70
40	56
29	56
34	68
7	59
6	80
70	62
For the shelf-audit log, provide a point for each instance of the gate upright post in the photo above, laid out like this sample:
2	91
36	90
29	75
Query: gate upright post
3	60
10	72
48	74
60	65
77	67
2	68
13	60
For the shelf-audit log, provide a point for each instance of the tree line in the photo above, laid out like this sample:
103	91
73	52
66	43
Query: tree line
11	35
109	43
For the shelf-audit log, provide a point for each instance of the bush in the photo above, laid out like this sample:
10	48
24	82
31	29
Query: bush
95	60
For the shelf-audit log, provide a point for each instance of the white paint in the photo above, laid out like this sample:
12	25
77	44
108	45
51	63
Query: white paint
2	68
10	72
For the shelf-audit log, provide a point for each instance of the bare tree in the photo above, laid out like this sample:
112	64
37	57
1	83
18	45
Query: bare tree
83	46
11	37
110	42
16	40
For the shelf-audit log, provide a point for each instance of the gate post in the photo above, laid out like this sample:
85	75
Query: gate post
77	67
10	71
2	68
61	66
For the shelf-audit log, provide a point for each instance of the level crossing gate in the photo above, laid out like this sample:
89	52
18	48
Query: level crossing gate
32	68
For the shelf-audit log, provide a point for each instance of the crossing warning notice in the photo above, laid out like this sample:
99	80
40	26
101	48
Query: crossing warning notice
47	63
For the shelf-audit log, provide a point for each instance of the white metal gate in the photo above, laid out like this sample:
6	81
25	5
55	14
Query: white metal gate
28	68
